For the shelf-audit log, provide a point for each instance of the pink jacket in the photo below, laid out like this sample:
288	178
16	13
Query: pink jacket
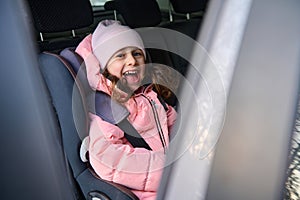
111	155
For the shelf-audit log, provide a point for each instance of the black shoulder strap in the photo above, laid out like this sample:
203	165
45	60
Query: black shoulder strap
163	103
134	137
114	113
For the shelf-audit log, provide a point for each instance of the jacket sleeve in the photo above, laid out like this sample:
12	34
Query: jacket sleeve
113	159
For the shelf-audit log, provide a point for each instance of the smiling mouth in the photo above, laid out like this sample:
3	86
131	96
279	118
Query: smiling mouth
131	77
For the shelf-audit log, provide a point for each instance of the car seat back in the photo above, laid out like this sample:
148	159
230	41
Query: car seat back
136	13
189	26
188	7
60	16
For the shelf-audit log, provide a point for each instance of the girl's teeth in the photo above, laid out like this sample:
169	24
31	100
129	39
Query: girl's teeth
130	73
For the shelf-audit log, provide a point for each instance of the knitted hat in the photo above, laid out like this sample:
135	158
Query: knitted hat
110	36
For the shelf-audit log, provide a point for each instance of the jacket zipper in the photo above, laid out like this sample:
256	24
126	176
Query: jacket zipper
157	122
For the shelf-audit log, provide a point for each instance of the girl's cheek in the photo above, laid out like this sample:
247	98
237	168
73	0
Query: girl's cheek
115	70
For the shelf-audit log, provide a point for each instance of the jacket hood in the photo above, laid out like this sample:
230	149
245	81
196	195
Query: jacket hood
96	80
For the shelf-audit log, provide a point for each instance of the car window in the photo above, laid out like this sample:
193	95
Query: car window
98	2
292	189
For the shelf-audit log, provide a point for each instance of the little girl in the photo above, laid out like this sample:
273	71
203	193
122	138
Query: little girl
115	62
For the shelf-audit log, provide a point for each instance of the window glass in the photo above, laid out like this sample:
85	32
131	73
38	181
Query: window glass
98	2
292	185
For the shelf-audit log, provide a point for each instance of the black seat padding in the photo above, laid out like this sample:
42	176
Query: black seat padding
190	6
136	13
50	16
189	27
53	16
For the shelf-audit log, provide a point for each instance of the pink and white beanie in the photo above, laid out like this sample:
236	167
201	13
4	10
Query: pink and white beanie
109	37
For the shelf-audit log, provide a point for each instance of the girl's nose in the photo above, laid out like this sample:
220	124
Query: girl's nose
130	60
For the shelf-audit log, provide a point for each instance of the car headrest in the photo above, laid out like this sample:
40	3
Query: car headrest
60	15
190	6
136	13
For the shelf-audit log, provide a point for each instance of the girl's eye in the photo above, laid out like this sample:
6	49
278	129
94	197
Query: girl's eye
137	53
120	55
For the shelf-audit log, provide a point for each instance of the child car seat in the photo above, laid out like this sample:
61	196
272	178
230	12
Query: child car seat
69	106
66	97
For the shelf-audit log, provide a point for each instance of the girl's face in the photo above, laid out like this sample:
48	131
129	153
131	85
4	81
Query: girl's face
128	64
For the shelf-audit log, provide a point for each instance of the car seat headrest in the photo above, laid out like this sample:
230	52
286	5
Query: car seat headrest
109	5
60	15
190	6
137	13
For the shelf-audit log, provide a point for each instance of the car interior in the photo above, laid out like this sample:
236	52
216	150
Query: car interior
50	79
59	28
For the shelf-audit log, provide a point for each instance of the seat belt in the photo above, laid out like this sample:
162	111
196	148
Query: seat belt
134	137
113	112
